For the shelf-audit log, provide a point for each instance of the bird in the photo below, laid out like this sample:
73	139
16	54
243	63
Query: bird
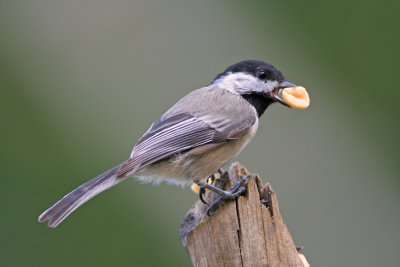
194	138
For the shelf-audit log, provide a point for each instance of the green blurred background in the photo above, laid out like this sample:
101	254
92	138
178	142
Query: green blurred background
80	81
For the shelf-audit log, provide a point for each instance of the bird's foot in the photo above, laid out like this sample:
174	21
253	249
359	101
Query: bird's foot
202	189
236	190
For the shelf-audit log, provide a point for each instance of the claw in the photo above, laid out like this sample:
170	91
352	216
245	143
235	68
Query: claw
214	206
202	191
210	180
236	190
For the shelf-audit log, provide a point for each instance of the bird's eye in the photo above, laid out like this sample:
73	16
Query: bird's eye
261	74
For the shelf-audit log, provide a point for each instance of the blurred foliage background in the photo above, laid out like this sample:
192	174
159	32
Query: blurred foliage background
80	81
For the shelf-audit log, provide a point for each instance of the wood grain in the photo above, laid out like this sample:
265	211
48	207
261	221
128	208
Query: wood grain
248	231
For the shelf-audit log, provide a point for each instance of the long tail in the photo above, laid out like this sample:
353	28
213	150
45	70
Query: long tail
65	206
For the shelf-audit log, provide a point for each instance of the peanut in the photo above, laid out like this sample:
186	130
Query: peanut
296	97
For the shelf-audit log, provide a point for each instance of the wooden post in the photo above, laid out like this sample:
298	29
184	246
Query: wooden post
248	231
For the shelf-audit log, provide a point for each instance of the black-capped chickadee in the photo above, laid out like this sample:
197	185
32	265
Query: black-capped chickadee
194	138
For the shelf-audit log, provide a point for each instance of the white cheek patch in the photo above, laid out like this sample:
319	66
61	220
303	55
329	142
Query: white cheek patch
270	86
244	83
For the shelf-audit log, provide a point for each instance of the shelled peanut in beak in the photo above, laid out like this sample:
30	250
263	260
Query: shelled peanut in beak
296	97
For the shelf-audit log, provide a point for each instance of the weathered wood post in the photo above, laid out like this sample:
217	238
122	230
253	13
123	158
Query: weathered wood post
246	232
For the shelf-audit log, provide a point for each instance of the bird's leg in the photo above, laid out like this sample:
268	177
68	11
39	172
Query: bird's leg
236	190
202	189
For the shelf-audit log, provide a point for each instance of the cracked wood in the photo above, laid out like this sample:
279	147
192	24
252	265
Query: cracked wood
248	231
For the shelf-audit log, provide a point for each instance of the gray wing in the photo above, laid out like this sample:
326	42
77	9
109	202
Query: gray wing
179	130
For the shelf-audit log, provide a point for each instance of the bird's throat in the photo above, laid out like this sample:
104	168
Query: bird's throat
259	102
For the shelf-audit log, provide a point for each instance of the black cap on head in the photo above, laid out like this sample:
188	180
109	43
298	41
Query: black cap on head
257	68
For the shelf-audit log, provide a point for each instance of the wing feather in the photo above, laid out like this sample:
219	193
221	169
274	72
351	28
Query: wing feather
181	129
156	145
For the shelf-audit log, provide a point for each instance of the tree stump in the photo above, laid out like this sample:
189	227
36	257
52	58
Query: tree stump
248	231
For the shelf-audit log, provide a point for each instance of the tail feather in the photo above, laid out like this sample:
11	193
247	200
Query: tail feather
64	207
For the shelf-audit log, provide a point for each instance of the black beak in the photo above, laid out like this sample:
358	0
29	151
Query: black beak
275	93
